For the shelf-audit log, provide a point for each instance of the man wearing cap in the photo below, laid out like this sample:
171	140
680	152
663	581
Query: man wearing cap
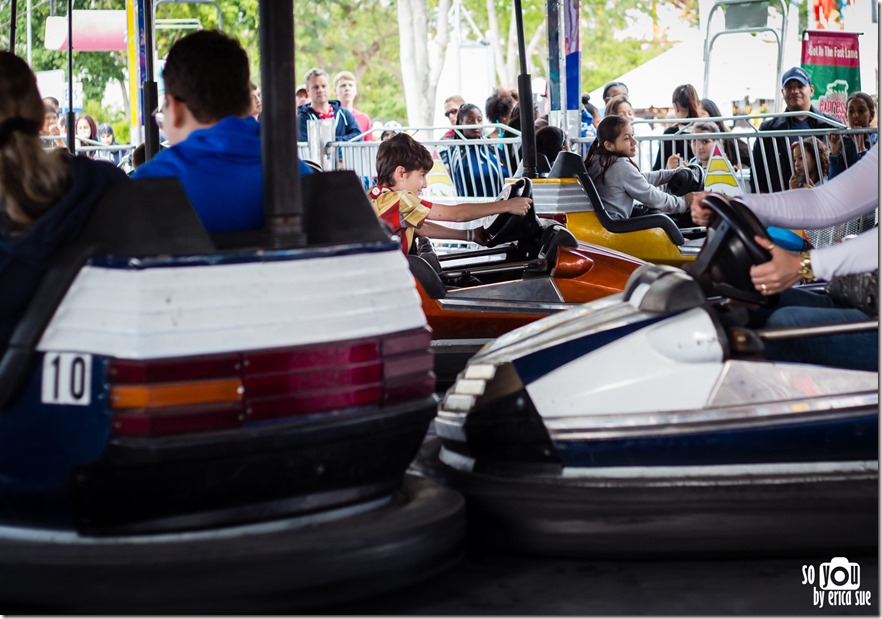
774	153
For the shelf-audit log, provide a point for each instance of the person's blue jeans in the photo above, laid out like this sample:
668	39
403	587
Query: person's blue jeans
799	308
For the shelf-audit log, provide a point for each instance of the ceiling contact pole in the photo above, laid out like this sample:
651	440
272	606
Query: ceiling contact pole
525	98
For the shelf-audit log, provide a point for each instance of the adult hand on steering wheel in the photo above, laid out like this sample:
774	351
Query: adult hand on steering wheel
779	273
737	244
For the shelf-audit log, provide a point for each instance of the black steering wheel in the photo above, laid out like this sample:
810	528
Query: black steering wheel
507	228
729	251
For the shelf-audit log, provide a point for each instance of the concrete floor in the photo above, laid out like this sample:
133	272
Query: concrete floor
486	583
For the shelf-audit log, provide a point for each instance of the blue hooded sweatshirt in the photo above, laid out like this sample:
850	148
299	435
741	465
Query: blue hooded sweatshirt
220	169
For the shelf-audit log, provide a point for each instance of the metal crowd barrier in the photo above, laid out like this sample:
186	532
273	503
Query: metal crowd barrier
761	161
95	149
475	165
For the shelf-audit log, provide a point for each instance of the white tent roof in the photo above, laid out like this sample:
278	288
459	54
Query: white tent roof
741	65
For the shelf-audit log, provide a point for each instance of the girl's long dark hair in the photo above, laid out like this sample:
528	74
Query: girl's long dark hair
686	97
609	130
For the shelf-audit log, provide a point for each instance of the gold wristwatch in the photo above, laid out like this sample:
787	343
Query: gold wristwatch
805	267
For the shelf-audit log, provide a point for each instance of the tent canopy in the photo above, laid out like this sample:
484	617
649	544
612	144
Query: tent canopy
741	66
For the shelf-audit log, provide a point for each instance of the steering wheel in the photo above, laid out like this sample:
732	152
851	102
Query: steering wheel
730	251
507	227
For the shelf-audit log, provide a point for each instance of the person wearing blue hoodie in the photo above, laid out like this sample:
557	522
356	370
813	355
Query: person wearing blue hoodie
321	106
215	145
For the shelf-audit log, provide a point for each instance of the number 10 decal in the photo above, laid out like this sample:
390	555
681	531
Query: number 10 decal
67	378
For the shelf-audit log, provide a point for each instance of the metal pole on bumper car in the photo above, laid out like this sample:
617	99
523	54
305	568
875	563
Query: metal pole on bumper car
525	96
283	197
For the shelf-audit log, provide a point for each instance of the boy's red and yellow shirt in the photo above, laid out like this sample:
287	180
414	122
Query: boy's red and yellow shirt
404	211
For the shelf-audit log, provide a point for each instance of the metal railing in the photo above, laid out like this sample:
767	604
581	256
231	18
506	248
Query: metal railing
476	167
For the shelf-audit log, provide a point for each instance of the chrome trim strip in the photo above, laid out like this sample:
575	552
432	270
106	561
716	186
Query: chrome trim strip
502	307
745	474
598	427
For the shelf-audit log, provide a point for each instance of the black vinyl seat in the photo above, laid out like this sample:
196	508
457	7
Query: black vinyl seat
569	165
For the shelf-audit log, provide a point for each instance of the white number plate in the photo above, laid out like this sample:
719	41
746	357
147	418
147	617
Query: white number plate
67	378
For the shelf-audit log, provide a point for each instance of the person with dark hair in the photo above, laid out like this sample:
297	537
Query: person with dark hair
686	105
737	151
139	155
321	107
772	166
499	106
619	106
46	196
860	110
613	89
550	140
53	102
811	162
475	168
618	179
215	145
87	134
402	166
107	138
50	126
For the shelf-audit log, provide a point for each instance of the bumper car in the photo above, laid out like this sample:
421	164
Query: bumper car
188	429
530	268
183	428
649	423
568	195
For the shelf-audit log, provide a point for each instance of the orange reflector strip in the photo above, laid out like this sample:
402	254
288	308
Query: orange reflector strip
176	394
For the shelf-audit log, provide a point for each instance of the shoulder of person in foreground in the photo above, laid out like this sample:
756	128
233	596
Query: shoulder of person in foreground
164	163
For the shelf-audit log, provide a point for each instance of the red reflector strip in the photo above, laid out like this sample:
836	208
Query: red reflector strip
405	365
401	343
284	384
310	359
415	387
560	218
178	421
306	403
201	394
173	370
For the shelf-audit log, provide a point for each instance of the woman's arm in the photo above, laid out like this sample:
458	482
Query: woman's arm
851	194
858	255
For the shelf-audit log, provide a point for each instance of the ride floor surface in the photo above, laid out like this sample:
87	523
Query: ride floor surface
491	583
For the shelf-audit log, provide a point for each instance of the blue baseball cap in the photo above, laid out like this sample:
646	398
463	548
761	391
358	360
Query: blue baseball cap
796	73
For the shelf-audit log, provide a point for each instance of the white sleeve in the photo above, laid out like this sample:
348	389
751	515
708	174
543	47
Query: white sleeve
857	255
848	195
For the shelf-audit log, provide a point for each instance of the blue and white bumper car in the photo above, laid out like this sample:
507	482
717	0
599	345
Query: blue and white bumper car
649	423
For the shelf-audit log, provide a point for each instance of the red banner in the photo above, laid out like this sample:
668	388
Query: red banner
833	61
825	47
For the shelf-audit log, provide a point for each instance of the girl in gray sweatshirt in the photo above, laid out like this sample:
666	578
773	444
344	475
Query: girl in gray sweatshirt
618	179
